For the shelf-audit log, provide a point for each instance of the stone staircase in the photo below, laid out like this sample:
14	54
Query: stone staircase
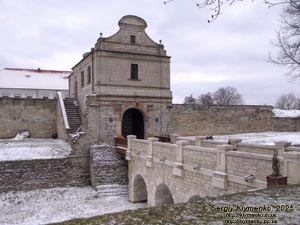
112	190
72	110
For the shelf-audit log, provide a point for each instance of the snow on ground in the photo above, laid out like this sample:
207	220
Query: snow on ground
286	113
264	138
58	204
33	148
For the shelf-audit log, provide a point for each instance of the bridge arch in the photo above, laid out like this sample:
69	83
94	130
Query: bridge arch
163	195
139	189
194	198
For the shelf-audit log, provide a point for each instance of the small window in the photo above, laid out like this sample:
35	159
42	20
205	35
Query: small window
89	75
132	39
82	78
134	72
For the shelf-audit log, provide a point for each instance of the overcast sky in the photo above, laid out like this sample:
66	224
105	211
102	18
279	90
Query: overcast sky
231	51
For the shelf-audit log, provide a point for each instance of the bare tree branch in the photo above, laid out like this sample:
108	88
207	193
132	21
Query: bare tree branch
287	40
216	5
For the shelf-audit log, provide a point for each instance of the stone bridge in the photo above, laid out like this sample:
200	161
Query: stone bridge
165	173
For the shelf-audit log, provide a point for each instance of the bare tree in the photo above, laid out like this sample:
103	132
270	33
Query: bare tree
288	102
288	40
227	96
216	5
189	100
205	99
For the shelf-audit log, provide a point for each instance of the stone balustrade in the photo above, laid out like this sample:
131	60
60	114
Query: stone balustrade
187	169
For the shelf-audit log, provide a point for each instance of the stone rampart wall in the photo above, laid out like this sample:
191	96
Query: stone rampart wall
43	173
213	120
38	116
286	124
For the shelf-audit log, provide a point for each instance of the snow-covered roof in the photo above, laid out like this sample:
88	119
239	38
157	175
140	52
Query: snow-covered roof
34	78
286	113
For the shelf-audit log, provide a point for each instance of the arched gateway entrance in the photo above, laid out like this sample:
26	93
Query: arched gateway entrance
133	123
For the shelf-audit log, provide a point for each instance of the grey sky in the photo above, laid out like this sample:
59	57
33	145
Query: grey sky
232	51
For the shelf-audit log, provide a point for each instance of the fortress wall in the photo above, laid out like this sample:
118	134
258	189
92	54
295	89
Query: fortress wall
213	120
43	173
38	116
286	124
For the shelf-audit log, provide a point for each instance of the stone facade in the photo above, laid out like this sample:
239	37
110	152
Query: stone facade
31	93
38	116
125	71
163	173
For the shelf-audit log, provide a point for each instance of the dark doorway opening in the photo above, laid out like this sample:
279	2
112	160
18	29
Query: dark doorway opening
133	123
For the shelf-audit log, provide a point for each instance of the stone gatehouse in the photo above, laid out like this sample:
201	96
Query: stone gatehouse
123	85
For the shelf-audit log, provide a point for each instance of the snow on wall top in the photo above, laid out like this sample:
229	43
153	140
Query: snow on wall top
34	79
286	113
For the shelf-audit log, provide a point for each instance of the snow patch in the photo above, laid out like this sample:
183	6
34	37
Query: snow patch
33	148
45	206
21	135
286	113
265	138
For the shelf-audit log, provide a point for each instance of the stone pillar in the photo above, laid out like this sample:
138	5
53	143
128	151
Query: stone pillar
199	140
129	143
281	147
292	166
220	175
173	138
149	157
178	165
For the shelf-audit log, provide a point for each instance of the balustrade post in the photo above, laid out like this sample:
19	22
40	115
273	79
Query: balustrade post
149	157
178	165
129	144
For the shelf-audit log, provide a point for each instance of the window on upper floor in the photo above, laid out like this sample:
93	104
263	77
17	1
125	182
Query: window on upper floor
89	75
132	39
134	75
82	78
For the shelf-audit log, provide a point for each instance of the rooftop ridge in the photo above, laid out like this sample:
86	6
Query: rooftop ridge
38	70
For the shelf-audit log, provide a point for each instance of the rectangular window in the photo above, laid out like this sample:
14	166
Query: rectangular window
89	75
132	39
134	72
82	78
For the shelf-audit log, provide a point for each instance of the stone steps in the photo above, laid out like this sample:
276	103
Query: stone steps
112	190
72	110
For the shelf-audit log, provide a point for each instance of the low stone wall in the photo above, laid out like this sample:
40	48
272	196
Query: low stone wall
213	120
43	173
106	166
286	124
38	116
